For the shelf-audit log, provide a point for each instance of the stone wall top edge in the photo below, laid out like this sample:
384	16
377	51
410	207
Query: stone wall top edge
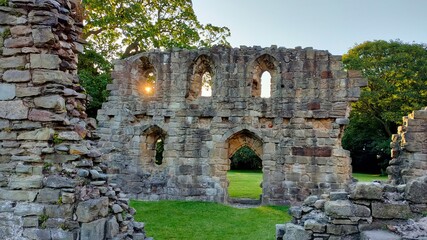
256	50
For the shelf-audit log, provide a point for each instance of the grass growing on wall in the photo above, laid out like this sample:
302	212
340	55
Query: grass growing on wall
208	221
244	183
367	177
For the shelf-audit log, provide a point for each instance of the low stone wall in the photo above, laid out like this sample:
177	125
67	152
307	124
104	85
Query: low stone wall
351	215
409	148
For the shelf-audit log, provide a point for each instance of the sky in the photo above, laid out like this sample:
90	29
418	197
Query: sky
334	25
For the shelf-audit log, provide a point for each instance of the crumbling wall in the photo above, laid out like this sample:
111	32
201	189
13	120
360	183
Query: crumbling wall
52	183
156	97
409	149
364	212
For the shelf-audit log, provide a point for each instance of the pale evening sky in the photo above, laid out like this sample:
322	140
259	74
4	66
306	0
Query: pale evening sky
334	25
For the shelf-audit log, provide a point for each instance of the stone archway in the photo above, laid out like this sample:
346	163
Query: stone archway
243	138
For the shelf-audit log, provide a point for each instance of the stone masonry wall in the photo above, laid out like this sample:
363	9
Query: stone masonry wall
368	211
409	149
52	183
296	132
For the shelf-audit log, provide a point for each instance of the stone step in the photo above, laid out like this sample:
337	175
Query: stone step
378	234
245	201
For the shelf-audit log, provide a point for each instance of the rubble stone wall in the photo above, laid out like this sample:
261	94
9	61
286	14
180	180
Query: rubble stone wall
409	149
296	132
52	183
367	211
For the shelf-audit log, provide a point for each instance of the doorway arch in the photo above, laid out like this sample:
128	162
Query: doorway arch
241	139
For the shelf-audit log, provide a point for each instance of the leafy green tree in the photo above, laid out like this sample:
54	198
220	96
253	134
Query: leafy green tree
245	159
125	27
397	85
120	28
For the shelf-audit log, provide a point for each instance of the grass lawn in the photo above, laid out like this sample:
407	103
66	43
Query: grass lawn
208	221
367	177
244	183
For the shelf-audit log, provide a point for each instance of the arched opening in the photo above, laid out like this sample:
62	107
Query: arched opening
264	69
206	85
245	174
159	151
146	85
152	146
200	78
265	84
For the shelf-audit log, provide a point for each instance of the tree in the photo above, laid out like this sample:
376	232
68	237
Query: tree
119	28
397	85
125	27
245	159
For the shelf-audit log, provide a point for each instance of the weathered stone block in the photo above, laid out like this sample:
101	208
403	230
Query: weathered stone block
28	91
42	134
92	209
293	231
18	42
47	195
43	36
416	190
59	211
29	209
314	226
43	18
113	228
29	182
369	191
46	61
45	116
378	234
18	195
93	230
312	151
345	208
12	62
13	110
341	229
59	182
55	102
17	76
7	91
391	210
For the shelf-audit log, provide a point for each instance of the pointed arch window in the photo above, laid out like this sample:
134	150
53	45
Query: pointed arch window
264	70
200	78
266	84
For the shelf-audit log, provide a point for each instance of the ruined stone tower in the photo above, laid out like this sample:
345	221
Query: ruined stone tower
52	184
157	97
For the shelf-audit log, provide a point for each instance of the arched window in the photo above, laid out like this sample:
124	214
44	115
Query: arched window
265	84
159	151
206	85
152	146
200	78
264	70
146	84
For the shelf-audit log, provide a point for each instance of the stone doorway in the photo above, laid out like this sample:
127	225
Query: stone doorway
244	140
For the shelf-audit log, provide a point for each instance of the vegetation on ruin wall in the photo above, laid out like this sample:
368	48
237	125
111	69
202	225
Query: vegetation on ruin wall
397	85
118	29
209	221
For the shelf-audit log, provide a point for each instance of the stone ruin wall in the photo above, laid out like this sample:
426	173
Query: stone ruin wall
52	183
296	132
409	149
366	210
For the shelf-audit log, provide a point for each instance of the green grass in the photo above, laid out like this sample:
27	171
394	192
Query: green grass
366	177
165	220
244	184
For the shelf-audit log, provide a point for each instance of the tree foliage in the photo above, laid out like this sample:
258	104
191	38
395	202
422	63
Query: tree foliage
119	28
245	159
397	85
124	27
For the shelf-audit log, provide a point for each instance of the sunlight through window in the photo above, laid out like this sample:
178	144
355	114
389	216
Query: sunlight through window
206	85
265	85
